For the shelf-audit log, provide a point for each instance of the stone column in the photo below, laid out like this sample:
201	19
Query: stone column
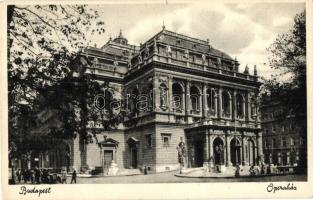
170	93
211	152
215	104
227	143
206	147
231	107
219	111
156	92
234	116
248	107
259	143
205	101
244	108
243	145
187	96
288	158
201	103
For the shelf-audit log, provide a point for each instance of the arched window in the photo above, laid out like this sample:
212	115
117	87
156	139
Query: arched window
240	106
146	99
177	97
226	104
195	100
253	107
211	95
133	100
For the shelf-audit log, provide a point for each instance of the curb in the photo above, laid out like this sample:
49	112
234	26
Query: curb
232	177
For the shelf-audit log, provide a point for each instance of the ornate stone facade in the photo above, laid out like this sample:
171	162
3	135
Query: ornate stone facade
185	90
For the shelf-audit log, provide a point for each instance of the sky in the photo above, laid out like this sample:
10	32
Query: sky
242	30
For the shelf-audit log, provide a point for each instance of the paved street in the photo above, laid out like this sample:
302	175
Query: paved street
170	178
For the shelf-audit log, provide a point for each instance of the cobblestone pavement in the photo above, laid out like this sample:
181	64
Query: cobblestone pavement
169	177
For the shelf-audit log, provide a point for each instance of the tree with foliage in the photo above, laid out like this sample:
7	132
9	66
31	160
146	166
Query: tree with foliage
44	44
288	58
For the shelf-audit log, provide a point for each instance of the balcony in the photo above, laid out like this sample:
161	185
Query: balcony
195	112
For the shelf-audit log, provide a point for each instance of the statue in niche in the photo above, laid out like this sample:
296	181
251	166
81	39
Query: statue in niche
181	149
219	62
203	58
147	52
163	97
168	50
139	59
186	55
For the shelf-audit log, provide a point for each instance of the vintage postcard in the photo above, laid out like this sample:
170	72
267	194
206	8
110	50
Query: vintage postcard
156	99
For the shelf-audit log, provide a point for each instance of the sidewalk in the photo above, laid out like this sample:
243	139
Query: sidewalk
229	173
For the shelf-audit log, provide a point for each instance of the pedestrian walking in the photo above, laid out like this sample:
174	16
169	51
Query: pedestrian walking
64	174
19	175
74	175
32	176
37	175
237	172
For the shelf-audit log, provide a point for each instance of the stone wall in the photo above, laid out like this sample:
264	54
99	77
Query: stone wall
146	155
167	155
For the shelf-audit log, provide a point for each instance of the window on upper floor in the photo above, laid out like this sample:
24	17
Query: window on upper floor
282	128
149	140
166	139
274	144
273	128
284	142
301	141
211	97
195	100
226	102
292	141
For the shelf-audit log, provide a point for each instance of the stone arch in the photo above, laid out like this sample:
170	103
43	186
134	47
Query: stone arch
178	97
218	150
226	104
195	94
235	151
240	106
211	100
250	151
133	99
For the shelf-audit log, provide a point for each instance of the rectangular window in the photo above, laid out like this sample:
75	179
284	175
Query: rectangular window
166	139
273	128
149	140
292	142
282	128
284	142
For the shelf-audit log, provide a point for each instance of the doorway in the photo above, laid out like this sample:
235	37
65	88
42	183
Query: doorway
134	162
251	152
218	149
108	157
235	156
198	153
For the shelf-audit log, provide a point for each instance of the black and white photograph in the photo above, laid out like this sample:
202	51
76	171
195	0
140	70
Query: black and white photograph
158	92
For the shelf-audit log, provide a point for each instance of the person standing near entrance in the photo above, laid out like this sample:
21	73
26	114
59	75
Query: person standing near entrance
64	174
74	175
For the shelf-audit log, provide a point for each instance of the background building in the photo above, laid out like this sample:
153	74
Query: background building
284	141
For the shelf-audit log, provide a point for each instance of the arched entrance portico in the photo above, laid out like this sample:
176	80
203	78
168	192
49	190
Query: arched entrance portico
250	152
218	149
235	155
